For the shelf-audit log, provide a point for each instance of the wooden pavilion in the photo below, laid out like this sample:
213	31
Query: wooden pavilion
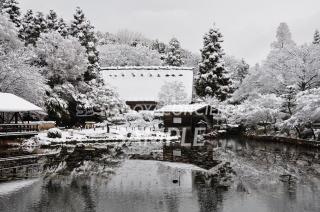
13	114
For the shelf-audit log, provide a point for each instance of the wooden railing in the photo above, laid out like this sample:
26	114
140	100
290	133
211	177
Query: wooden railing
18	128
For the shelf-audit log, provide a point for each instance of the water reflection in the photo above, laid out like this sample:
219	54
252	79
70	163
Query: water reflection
262	184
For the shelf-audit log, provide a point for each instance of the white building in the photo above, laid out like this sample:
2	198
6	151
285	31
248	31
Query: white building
140	86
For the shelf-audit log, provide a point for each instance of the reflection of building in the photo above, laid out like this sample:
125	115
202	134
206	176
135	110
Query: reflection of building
140	86
188	119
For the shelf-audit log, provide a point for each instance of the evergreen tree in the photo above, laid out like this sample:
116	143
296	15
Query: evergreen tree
12	9
173	57
32	26
83	30
40	24
52	21
27	31
316	37
212	80
63	28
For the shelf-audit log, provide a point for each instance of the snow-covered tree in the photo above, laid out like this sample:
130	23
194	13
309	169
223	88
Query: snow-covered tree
106	38
131	38
63	62
52	21
307	112
40	23
11	7
63	28
28	32
102	99
84	31
73	103
8	36
158	46
296	65
238	70
125	55
32	26
62	59
316	37
17	76
284	38
172	93
212	79
173	57
256	110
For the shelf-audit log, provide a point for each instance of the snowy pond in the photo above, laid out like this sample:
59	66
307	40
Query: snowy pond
138	186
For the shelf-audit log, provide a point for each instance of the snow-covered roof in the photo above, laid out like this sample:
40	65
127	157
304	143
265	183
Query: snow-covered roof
140	83
182	108
130	68
13	103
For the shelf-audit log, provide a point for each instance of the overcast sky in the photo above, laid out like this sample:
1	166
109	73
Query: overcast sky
248	26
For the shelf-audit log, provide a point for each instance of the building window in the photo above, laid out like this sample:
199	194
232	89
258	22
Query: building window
177	120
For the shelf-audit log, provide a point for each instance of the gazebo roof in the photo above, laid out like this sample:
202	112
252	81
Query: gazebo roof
12	103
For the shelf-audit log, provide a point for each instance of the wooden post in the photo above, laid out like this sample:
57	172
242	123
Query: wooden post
16	118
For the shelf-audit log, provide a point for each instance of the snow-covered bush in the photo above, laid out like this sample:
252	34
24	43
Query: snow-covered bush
132	116
147	115
54	133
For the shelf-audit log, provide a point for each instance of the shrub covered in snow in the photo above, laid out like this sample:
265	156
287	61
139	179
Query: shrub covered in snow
147	115
54	133
133	116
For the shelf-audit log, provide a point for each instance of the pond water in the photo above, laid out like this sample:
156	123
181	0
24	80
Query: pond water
138	186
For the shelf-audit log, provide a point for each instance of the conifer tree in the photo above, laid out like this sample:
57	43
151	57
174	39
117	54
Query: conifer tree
52	21
12	9
84	31
27	31
32	26
63	28
40	23
173	57
211	79
316	37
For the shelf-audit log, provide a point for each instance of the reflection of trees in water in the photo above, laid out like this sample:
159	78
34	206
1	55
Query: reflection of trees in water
69	193
210	196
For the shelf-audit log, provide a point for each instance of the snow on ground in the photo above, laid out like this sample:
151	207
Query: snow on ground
116	133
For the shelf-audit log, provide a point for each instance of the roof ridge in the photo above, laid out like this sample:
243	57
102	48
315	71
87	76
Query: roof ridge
146	68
